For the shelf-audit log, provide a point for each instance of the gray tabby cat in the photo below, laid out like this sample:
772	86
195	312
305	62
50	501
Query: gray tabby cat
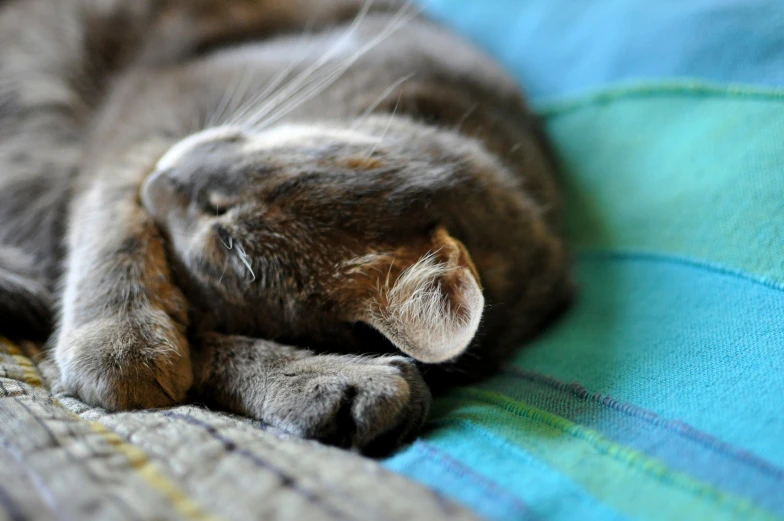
264	204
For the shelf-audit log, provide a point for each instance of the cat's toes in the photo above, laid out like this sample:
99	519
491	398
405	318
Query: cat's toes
367	404
122	364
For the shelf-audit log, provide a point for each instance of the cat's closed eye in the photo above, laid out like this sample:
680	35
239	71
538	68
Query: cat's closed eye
216	204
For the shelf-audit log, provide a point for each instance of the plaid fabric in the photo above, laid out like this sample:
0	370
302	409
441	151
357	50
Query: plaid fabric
60	459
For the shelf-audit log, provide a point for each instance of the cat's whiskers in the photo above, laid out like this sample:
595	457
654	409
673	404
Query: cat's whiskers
340	69
385	131
237	248
291	87
245	259
239	114
229	98
246	88
317	86
465	116
225	267
378	101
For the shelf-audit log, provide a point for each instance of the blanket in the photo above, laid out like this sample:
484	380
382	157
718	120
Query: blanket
62	460
660	395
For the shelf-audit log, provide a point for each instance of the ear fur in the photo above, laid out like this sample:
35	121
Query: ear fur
427	299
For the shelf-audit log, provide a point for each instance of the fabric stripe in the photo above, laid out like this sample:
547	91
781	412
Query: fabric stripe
35	426
547	493
286	480
154	464
70	452
26	370
690	88
623	478
663	258
664	173
36	435
291	478
676	444
139	462
563	47
452	477
678	340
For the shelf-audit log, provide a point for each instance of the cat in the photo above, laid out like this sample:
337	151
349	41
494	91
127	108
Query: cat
313	213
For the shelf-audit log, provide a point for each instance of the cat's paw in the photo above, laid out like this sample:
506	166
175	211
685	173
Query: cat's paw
125	363
370	404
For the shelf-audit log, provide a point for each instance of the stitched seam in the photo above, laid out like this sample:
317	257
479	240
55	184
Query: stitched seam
548	107
461	471
629	457
649	256
678	428
231	447
246	452
528	458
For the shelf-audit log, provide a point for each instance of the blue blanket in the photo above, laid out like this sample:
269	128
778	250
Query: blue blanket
661	394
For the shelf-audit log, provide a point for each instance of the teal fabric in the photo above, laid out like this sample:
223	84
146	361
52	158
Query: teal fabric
660	395
562	47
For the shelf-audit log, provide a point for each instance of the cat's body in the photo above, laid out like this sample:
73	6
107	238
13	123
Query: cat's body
194	169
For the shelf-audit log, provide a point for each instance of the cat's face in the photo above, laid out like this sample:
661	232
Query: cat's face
299	228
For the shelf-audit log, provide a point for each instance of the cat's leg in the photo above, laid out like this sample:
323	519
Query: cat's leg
370	403
121	341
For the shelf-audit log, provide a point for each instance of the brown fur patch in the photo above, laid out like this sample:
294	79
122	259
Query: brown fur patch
361	163
365	279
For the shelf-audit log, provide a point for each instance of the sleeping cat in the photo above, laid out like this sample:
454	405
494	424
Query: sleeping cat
308	212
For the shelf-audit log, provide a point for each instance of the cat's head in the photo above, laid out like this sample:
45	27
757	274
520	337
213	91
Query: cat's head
301	228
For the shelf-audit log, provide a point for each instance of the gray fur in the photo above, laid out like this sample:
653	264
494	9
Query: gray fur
296	217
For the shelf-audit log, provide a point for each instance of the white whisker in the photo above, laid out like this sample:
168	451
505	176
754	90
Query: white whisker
239	114
242	92
373	106
465	116
386	129
244	258
225	267
303	76
228	99
241	254
398	21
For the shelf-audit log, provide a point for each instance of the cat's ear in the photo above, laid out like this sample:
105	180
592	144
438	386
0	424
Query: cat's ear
427	299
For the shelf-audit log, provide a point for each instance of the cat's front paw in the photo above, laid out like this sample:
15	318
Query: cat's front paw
125	363
366	403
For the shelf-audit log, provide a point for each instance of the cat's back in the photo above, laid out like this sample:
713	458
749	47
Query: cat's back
274	68
335	72
395	63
